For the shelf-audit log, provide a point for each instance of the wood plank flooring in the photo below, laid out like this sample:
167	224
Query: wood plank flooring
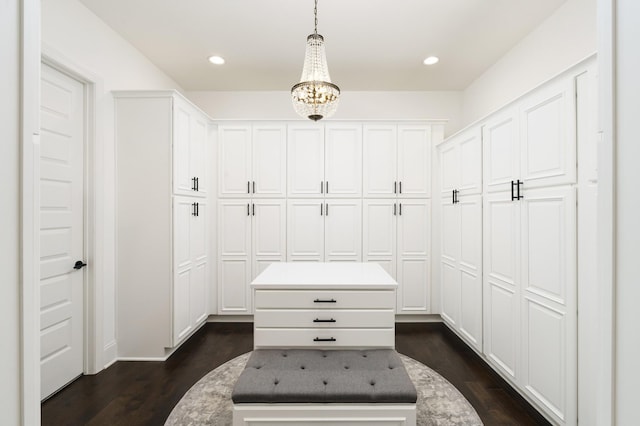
144	393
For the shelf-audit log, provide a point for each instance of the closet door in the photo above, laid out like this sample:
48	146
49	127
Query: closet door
548	135
182	266
449	168
450	257
549	330
199	153
414	161
414	219
269	223
269	160
470	268
199	243
501	258
234	251
182	174
305	152
305	230
470	157
379	220
501	150
234	160
343	160
380	161
343	230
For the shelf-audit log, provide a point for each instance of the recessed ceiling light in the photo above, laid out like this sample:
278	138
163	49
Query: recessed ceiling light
431	60
216	60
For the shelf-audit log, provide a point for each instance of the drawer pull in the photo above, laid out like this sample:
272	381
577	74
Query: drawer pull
330	339
324	320
325	301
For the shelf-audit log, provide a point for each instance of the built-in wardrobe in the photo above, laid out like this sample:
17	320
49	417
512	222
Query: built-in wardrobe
508	252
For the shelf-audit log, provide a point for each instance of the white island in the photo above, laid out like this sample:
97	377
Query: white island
324	305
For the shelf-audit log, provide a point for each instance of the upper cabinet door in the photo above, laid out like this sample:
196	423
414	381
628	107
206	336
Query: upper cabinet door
449	168
380	175
305	171
182	179
234	160
199	153
343	160
548	137
470	144
414	161
501	151
269	160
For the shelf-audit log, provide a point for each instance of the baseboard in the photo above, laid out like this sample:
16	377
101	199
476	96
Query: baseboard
230	318
419	318
110	352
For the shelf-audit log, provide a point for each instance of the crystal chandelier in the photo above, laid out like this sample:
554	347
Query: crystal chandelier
315	97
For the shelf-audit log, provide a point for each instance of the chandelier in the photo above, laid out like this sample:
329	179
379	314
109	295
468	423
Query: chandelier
315	97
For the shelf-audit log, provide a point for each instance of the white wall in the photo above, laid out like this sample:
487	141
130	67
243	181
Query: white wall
276	105
71	32
563	39
627	212
9	211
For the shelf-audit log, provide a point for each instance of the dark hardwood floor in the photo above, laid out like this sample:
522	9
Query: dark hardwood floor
144	393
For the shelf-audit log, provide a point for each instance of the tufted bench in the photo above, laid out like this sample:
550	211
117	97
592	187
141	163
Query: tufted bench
324	387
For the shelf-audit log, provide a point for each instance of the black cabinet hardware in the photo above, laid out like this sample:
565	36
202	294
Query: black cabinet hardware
519	184
512	192
326	209
400	210
327	187
248	209
194	187
395	187
324	320
321	187
197	209
453	196
515	195
330	339
394	209
193	213
324	301
254	186
253	209
79	265
400	186
198	184
321	207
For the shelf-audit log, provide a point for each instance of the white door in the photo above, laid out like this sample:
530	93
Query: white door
234	160
343	230
305	169
379	233
61	230
234	251
305	230
343	160
269	233
380	160
414	161
501	151
501	254
269	160
414	219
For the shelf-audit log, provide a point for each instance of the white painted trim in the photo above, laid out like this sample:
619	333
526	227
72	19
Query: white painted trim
94	229
30	199
606	210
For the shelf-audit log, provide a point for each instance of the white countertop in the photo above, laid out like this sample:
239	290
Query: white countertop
314	275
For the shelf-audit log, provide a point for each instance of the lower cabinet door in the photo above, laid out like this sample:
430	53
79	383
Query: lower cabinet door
198	294
305	230
181	301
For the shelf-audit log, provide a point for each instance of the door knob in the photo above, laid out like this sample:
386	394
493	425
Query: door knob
79	265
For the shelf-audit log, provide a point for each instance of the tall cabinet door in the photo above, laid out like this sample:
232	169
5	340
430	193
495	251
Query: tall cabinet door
470	181
305	152
380	165
199	153
343	160
234	251
501	241
269	160
379	217
413	276
414	161
234	160
182	183
548	254
449	259
305	230
269	233
343	230
501	151
449	168
470	267
182	267
200	254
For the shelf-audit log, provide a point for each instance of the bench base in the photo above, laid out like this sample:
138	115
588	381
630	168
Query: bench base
324	414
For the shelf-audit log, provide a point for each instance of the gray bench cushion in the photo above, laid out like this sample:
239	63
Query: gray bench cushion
316	376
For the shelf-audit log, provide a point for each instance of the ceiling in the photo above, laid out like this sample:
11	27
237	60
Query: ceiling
371	44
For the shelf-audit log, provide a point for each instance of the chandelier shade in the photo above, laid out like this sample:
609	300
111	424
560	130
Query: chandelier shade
315	96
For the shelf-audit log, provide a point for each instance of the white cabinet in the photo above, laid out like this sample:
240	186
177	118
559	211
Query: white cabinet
397	160
396	235
530	292
190	256
532	143
252	160
461	164
162	231
324	160
324	230
251	235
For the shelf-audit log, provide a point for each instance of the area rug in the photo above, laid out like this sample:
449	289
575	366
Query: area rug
208	402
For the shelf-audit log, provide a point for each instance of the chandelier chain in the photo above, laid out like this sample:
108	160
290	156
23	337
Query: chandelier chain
315	15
